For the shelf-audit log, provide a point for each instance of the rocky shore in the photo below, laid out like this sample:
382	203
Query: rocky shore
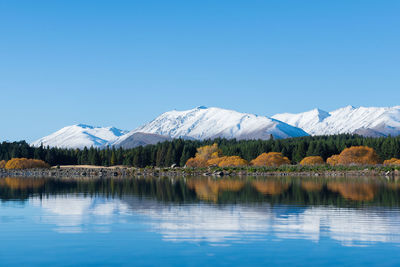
126	172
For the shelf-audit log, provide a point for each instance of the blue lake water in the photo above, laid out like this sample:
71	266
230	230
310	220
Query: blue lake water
200	221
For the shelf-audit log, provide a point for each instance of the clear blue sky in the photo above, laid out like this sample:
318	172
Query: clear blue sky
122	63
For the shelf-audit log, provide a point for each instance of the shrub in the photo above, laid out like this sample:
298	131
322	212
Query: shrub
270	159
23	163
204	154
196	163
311	161
214	161
2	164
392	161
334	160
208	152
232	161
358	155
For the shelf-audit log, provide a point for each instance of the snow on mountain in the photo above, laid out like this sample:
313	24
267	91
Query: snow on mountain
79	136
368	121
208	123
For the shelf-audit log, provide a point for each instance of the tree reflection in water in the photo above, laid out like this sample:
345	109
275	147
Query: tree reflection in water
354	191
285	190
270	187
207	189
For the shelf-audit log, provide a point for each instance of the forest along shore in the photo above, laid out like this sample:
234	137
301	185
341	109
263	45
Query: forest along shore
127	172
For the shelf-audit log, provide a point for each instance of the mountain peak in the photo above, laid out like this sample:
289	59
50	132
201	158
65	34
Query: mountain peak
80	136
85	126
216	122
201	107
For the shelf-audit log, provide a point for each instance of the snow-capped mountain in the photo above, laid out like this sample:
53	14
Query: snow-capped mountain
79	136
367	121
208	123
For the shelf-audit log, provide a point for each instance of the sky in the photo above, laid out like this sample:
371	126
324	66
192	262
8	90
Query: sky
123	63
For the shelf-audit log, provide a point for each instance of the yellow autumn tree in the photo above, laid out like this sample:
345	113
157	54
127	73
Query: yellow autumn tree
334	160
24	163
234	161
214	161
312	160
270	159
358	155
392	161
231	161
204	154
2	164
196	163
208	152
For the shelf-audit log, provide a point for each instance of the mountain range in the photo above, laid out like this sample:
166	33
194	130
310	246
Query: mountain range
208	123
366	121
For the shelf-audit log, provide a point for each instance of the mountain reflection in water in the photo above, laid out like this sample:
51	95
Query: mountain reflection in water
351	211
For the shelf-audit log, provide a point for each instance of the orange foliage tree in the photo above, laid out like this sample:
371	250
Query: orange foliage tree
2	164
208	152
212	156
355	155
204	154
392	161
196	163
270	159
234	161
312	160
24	163
359	155
334	160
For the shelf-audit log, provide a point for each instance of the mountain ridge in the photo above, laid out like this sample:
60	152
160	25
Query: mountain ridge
208	123
79	136
367	121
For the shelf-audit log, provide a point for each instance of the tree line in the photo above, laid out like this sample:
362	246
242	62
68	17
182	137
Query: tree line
178	151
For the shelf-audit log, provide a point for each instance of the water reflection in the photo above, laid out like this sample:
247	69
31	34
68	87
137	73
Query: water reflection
354	191
352	212
311	186
77	213
22	183
207	189
270	187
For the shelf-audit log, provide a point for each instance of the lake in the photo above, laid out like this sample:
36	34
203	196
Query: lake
200	221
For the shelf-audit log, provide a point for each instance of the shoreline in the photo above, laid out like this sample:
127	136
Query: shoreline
128	172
